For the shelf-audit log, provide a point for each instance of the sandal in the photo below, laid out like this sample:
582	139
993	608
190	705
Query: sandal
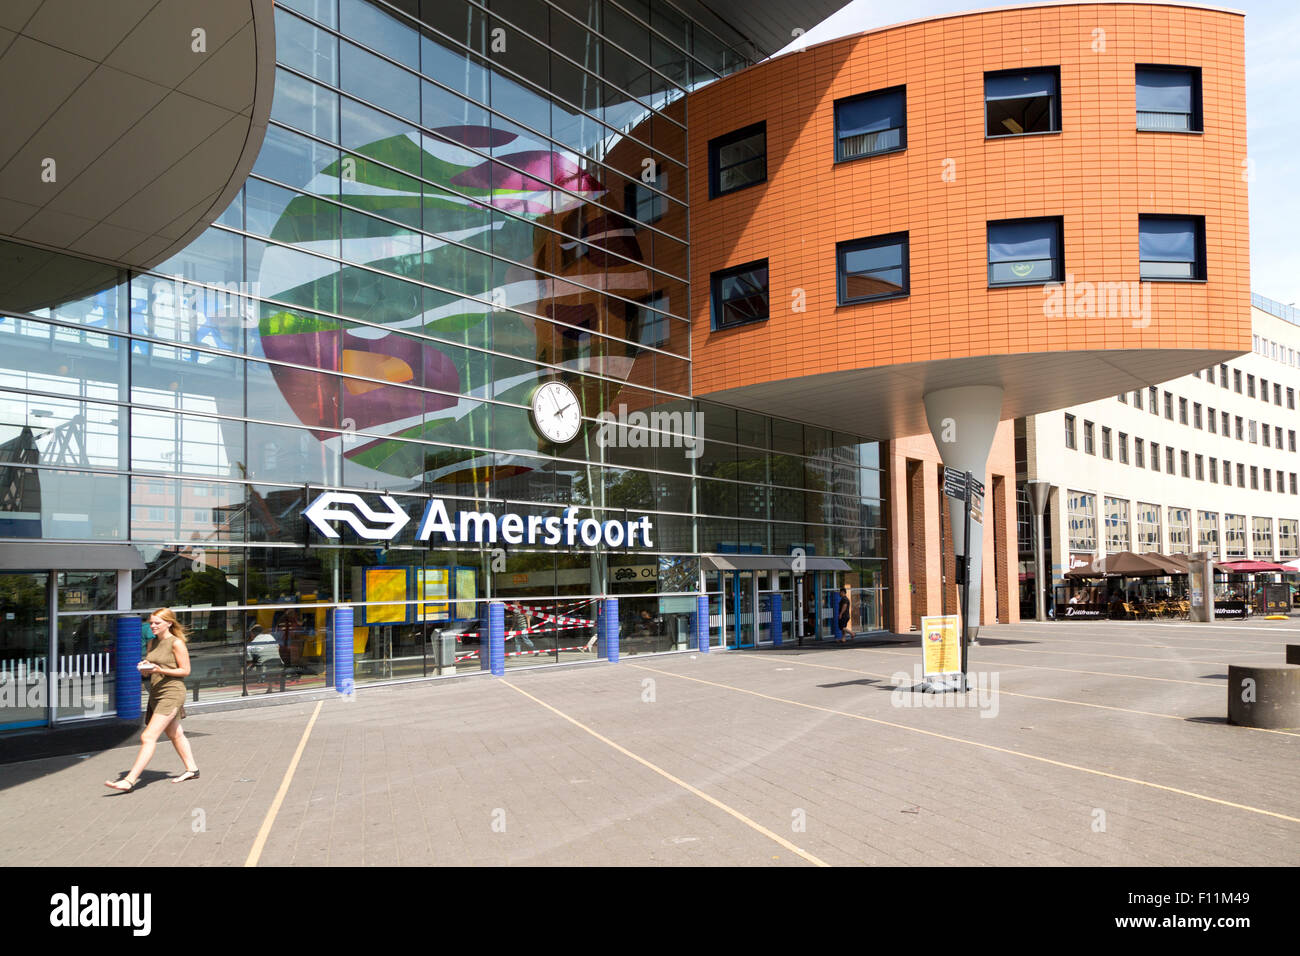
117	785
187	775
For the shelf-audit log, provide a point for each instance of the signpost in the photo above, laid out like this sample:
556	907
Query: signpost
965	487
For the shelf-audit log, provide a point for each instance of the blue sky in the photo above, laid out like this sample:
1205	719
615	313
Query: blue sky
1272	90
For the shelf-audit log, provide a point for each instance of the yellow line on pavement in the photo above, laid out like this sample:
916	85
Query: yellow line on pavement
256	852
677	780
1055	700
976	743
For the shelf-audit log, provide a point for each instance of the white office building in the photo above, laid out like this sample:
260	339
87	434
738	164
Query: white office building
1207	462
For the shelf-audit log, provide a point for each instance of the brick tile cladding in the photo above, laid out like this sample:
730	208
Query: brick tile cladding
1099	173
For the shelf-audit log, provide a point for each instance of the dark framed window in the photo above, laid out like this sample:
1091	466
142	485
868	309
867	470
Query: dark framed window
1138	453
1019	102
1069	432
1026	251
1168	99
1171	248
1123	448
740	295
1155	457
1105	442
871	269
871	124
738	159
1087	439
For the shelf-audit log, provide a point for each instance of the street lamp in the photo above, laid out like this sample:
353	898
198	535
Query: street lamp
1038	495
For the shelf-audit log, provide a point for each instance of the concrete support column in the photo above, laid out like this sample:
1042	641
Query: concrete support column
963	421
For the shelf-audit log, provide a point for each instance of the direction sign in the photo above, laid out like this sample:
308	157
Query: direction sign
977	507
954	483
977	486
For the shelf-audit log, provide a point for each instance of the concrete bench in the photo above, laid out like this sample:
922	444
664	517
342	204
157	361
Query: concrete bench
1264	695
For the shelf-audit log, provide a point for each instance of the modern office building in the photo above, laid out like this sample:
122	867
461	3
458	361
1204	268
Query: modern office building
544	302
1205	462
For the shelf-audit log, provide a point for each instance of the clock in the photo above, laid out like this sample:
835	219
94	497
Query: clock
557	416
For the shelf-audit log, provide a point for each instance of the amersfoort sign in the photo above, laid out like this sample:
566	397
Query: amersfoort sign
480	527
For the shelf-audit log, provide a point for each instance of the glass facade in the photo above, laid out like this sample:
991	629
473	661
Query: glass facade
453	205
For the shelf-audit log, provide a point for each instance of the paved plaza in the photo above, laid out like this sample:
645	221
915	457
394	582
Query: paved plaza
1082	744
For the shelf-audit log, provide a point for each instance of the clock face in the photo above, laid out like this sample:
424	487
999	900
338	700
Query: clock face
556	414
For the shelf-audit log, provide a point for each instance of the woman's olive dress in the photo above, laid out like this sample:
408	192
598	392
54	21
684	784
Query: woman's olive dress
166	694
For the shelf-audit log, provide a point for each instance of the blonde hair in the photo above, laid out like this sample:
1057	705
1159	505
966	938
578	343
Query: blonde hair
173	625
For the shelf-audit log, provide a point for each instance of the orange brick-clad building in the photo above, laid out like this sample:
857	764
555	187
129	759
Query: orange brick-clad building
1123	169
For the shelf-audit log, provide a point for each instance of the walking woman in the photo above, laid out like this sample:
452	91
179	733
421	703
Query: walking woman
166	664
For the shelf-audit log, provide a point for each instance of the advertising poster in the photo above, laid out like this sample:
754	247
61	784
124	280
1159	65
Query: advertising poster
466	593
941	645
435	584
385	584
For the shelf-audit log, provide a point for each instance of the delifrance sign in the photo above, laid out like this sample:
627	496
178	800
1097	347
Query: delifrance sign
481	527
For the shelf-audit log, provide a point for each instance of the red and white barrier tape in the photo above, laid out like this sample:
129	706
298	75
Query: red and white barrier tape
551	618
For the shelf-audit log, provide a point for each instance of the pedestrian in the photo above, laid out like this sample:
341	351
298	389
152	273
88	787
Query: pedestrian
843	611
166	664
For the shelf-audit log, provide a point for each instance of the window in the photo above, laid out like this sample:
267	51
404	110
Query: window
1017	102
1250	386
1293	482
1262	535
1214	471
1277	394
1281	485
1116	524
1154	404
1123	397
871	124
1171	247
1025	251
1254	477
1227	472
1137	399
1234	535
1169	406
740	295
1200	466
1265	429
1236	380
1168	99
871	269
1123	448
1169	460
1087	439
1254	439
1138	453
1241	428
1241	475
1082	510
1187	471
1155	457
1290	439
1277	435
1263	389
1268	480
1196	414
1207	531
1182	411
1290	398
1148	527
1180	530
1069	432
738	160
1224	430
1209	375
643	203
1212	419
1105	443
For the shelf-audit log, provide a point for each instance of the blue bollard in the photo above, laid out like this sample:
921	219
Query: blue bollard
344	658
702	623
607	646
126	679
496	649
776	620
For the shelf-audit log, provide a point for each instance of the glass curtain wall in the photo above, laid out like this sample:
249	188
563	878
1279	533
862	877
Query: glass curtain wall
454	203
